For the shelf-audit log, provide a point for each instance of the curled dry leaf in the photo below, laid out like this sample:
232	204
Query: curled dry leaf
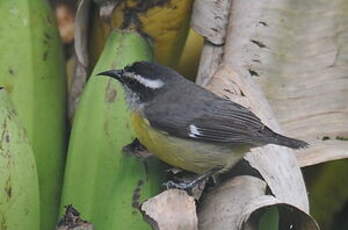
210	60
215	14
81	52
277	165
309	90
322	151
81	31
171	210
216	211
210	19
247	194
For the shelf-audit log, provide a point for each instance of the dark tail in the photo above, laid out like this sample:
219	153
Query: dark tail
275	138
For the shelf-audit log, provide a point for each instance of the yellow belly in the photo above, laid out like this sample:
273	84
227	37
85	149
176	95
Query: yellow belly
186	154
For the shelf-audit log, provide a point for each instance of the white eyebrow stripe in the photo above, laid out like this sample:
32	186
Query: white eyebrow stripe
153	84
194	131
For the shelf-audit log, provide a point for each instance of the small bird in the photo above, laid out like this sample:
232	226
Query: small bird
187	126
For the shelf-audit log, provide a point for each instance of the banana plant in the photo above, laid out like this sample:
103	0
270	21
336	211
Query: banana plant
32	71
19	193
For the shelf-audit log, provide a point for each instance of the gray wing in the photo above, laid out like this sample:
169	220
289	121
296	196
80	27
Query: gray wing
213	120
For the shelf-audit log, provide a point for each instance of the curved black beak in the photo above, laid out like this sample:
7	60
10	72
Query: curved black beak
116	74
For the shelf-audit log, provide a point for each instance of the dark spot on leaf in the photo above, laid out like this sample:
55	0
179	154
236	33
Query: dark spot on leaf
49	19
263	23
325	138
135	204
137	190
13	112
253	73
26	211
340	138
11	71
228	91
9	192
47	36
137	194
110	93
44	56
3	224
7	138
8	188
259	44
140	182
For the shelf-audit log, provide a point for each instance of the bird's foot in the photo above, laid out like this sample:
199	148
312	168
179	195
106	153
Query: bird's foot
137	149
187	186
193	186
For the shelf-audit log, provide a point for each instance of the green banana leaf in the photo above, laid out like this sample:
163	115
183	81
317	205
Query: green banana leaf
103	183
32	71
19	186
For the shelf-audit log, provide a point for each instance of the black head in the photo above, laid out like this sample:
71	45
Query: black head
145	79
152	71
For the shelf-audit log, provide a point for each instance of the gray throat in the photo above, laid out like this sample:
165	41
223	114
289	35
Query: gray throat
133	100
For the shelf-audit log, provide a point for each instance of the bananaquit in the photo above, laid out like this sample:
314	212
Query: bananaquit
188	126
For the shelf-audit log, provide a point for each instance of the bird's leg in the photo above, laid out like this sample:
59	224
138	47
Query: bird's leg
194	182
137	149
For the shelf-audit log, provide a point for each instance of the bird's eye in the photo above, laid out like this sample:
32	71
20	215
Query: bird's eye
131	82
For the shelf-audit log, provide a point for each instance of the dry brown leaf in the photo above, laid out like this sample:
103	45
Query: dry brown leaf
211	58
222	209
247	194
277	165
215	14
171	210
322	152
309	90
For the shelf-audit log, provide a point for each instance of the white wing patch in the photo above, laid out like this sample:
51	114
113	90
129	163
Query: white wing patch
153	84
194	131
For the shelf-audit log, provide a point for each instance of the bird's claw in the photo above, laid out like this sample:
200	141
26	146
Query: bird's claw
183	186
